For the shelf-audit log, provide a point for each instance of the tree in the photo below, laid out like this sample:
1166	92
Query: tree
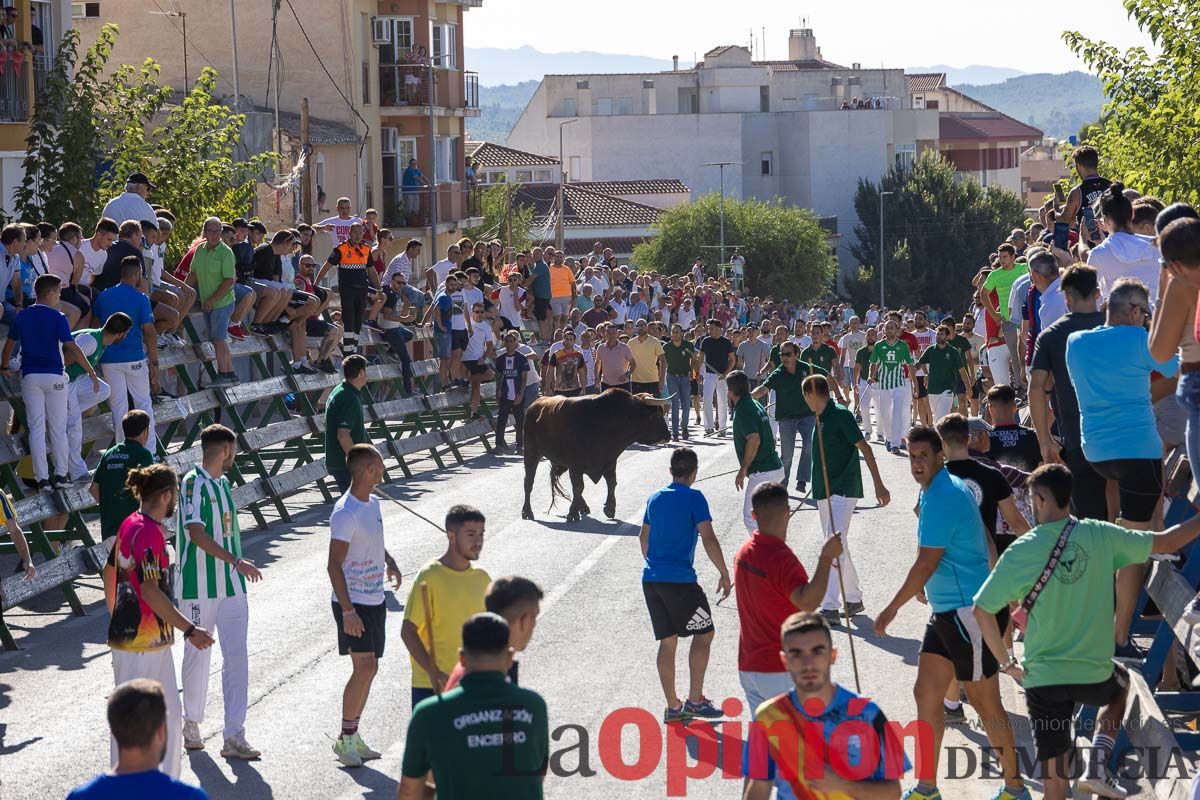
1150	129
785	248
939	229
88	132
504	217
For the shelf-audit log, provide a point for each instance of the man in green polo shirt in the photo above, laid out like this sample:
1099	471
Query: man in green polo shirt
792	415
681	358
344	425
1000	281
485	738
819	352
108	487
214	272
752	441
946	369
839	442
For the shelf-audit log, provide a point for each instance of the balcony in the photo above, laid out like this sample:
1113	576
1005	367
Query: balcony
457	203
407	85
14	86
471	90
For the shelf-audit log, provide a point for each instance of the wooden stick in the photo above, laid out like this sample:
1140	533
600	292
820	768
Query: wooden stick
437	685
838	561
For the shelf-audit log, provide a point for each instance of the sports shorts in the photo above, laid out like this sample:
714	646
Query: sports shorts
541	308
956	636
922	387
1052	710
677	609
374	633
1140	482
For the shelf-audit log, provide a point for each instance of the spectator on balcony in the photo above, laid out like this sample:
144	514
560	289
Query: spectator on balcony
352	259
410	185
469	173
214	274
131	204
66	261
406	263
46	342
341	224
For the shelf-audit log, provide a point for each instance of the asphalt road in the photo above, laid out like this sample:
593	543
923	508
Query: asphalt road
592	653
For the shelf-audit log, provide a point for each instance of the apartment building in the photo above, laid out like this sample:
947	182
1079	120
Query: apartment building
397	88
1042	166
27	50
802	130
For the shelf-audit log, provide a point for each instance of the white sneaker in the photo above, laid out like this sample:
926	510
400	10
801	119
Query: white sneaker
237	747
347	752
1192	613
191	736
1103	784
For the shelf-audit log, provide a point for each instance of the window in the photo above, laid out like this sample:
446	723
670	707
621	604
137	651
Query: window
445	51
906	156
931	105
445	161
624	105
495	177
543	176
524	176
582	85
647	84
570	107
397	151
395	51
767	161
764	98
85	10
604	106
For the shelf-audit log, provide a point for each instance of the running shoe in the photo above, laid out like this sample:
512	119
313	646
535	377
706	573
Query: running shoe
260	329
855	608
364	752
915	793
236	747
676	715
59	482
1103	783
954	716
238	332
1192	613
347	751
802	487
305	369
1006	793
702	710
326	366
164	342
191	736
686	434
831	614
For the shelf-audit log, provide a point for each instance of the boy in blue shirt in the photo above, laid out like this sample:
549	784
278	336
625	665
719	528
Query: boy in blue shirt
674	518
137	715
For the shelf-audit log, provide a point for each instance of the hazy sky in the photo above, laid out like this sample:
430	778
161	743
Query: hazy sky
1021	34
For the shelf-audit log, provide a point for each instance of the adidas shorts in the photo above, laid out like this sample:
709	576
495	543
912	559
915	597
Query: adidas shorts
677	609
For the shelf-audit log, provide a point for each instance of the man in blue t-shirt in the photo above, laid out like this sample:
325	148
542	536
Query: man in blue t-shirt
410	183
45	338
137	716
954	556
674	518
130	366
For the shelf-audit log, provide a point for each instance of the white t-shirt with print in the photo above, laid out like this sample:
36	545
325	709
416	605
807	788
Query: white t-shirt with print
361	525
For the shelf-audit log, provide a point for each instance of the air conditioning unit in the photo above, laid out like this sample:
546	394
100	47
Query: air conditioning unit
381	31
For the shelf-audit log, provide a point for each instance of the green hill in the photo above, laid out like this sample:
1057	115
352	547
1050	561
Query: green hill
1058	104
499	109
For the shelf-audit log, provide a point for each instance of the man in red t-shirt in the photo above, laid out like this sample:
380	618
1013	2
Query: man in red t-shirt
771	585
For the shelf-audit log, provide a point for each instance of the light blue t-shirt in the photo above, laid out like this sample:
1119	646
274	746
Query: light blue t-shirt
1110	369
949	519
674	515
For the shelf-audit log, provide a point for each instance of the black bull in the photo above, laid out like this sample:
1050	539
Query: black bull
585	436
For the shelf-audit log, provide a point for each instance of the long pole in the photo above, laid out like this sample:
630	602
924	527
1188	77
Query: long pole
433	199
838	563
237	84
306	175
722	217
562	178
275	62
187	84
882	255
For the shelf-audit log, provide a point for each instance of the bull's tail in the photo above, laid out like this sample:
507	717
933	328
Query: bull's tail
556	490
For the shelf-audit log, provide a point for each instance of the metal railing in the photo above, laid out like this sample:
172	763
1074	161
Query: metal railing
14	88
405	85
413	209
470	90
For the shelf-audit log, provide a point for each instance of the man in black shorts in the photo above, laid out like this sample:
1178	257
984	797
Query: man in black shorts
359	611
674	518
1069	636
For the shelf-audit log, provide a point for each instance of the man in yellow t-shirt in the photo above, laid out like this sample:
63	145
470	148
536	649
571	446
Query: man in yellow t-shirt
650	374
455	590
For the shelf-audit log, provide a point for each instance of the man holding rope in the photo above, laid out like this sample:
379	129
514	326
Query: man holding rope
839	441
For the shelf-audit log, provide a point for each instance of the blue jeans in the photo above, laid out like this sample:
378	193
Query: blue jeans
1188	395
788	428
679	389
397	340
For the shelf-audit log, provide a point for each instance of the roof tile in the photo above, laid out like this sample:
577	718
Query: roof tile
490	154
926	81
984	125
586	207
647	186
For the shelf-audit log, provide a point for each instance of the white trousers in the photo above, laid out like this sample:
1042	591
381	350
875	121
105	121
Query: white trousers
771	414
45	399
81	396
156	666
998	361
843	512
939	405
715	383
130	378
866	395
894	405
753	480
228	617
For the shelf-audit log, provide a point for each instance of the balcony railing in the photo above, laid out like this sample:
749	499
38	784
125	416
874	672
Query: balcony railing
471	90
14	86
405	85
414	209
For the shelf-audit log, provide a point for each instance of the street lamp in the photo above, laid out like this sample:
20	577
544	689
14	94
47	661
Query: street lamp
881	253
562	178
722	165
433	199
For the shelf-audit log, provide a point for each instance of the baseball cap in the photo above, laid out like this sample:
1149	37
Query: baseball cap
978	425
139	177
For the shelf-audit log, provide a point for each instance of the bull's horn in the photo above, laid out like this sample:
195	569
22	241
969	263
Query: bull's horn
660	401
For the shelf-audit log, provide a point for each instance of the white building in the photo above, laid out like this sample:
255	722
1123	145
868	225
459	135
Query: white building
802	130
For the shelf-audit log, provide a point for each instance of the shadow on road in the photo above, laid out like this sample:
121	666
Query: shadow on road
606	527
248	783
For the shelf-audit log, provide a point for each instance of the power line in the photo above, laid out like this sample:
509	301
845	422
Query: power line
207	60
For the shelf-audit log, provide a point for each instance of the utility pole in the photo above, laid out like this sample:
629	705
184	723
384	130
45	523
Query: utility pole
881	250
722	165
183	18
306	195
562	178
275	61
237	84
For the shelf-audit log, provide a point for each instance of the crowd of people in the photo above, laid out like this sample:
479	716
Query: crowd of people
1036	425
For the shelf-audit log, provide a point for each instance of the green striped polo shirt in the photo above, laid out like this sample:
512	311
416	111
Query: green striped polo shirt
891	359
207	501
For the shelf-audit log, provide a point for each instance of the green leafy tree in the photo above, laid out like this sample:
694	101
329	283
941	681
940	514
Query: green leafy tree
938	231
785	248
90	131
504	217
1148	139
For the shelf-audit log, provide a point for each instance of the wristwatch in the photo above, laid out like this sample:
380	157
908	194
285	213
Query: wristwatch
190	630
1009	665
